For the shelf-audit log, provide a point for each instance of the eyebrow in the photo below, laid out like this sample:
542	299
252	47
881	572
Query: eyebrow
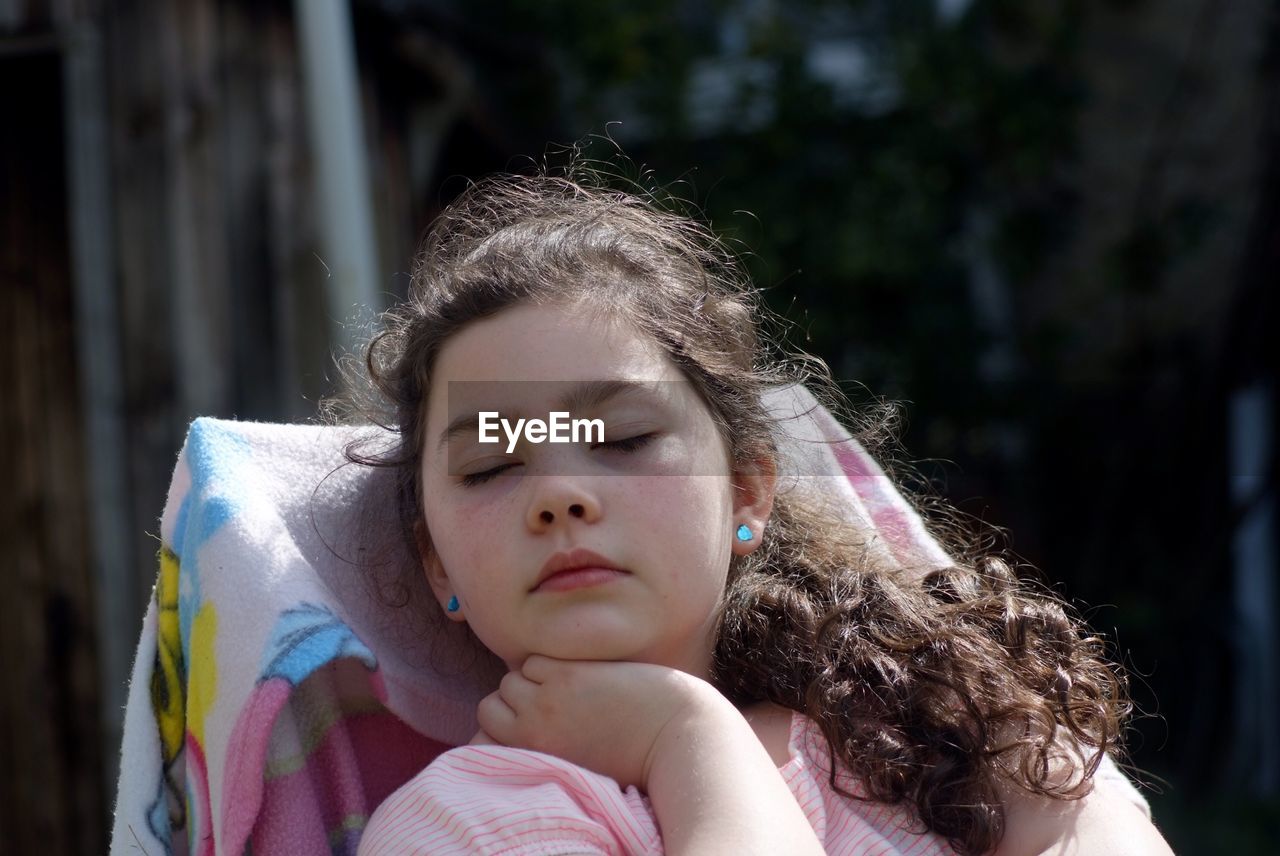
587	394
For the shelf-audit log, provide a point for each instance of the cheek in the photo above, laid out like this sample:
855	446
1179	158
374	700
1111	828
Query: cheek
686	520
706	499
461	533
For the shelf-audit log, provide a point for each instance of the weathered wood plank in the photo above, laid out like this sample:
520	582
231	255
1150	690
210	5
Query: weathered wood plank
51	794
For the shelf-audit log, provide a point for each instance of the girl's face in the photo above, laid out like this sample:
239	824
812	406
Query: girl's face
661	506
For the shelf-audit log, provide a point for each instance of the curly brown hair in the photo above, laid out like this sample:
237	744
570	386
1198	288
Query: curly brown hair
937	686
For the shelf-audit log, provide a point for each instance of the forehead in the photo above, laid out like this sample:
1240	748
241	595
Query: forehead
561	342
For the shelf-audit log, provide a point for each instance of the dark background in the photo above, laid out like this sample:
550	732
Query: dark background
1050	229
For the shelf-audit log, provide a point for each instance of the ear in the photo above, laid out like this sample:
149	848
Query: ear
435	573
753	492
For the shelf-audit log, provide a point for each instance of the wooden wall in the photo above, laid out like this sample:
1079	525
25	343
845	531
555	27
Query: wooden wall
216	308
159	260
51	784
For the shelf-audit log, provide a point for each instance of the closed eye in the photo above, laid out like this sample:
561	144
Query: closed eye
627	444
473	479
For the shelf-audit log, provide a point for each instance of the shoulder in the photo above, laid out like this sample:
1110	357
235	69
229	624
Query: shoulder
799	749
1106	820
772	726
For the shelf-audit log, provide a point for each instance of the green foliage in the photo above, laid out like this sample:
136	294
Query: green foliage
859	194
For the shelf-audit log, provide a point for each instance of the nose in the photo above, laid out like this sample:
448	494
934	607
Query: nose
558	499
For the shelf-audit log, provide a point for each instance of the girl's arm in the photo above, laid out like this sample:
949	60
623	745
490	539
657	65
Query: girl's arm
712	785
715	789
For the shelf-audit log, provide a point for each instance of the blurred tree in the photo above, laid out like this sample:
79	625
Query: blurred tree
883	150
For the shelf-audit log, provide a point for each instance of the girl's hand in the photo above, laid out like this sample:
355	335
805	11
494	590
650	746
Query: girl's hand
605	716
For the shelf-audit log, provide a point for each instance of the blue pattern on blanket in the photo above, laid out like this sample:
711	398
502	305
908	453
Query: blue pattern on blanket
216	458
306	638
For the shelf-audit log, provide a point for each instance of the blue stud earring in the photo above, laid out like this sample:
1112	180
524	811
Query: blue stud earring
453	606
744	533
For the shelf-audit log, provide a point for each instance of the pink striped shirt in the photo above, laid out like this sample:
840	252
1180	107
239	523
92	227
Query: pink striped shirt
499	800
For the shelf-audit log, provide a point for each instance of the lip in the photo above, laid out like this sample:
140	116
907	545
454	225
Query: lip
577	560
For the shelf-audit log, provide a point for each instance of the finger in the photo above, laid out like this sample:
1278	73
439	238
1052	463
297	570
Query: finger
517	691
539	668
496	718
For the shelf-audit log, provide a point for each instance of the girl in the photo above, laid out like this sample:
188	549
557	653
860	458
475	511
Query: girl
700	661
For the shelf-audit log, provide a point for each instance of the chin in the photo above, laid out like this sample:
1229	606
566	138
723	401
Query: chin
594	647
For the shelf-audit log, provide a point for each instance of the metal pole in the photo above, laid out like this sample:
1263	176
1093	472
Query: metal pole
331	82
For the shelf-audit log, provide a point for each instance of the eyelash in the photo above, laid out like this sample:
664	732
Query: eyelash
626	444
